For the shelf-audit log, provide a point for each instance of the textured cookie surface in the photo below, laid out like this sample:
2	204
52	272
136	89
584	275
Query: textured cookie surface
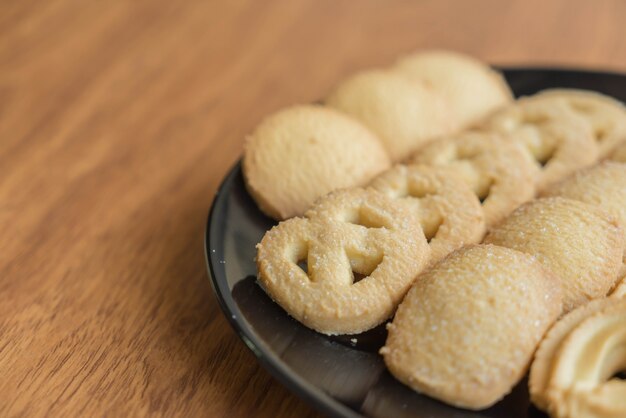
345	267
449	212
402	112
579	242
572	375
603	185
619	153
620	289
559	140
499	172
467	329
472	89
606	115
303	152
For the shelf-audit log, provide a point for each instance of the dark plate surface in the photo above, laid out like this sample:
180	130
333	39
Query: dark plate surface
340	376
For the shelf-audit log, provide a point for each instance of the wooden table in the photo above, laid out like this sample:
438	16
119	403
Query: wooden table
118	121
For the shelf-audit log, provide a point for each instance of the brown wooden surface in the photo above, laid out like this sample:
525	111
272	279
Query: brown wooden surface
118	121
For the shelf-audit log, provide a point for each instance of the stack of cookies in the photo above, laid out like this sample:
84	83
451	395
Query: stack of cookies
425	193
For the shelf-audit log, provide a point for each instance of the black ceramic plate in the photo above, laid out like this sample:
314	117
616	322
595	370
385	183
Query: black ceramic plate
341	376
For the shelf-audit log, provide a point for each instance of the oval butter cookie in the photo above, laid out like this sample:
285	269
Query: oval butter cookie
559	141
467	329
403	113
577	241
450	213
303	152
345	267
572	376
499	172
471	88
603	185
606	115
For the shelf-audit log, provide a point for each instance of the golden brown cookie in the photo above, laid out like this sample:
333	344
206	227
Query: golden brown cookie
572	373
603	185
472	89
303	152
619	153
606	115
498	171
559	141
450	213
577	241
361	253
403	113
467	329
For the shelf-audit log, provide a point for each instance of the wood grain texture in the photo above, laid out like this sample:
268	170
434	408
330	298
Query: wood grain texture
118	121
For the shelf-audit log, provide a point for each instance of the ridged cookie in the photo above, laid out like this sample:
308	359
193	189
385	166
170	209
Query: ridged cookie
577	241
361	253
467	329
603	185
450	213
559	140
606	115
403	113
571	376
499	172
472	88
303	152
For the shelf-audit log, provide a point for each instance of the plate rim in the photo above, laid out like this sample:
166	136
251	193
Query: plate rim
311	394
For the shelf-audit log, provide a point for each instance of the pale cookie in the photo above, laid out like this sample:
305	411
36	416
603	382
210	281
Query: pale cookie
450	213
582	357
498	171
362	252
467	329
603	185
620	289
303	152
619	153
579	242
403	113
544	357
606	115
472	89
559	141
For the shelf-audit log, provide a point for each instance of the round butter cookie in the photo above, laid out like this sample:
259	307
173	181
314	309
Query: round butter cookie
303	152
606	115
471	88
450	213
498	171
619	153
467	329
603	185
572	376
579	242
403	113
620	289
559	141
345	267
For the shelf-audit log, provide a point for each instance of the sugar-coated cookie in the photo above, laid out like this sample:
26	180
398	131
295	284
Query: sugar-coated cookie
450	213
571	376
472	88
559	140
303	152
467	329
579	242
603	185
606	115
402	112
499	172
362	251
